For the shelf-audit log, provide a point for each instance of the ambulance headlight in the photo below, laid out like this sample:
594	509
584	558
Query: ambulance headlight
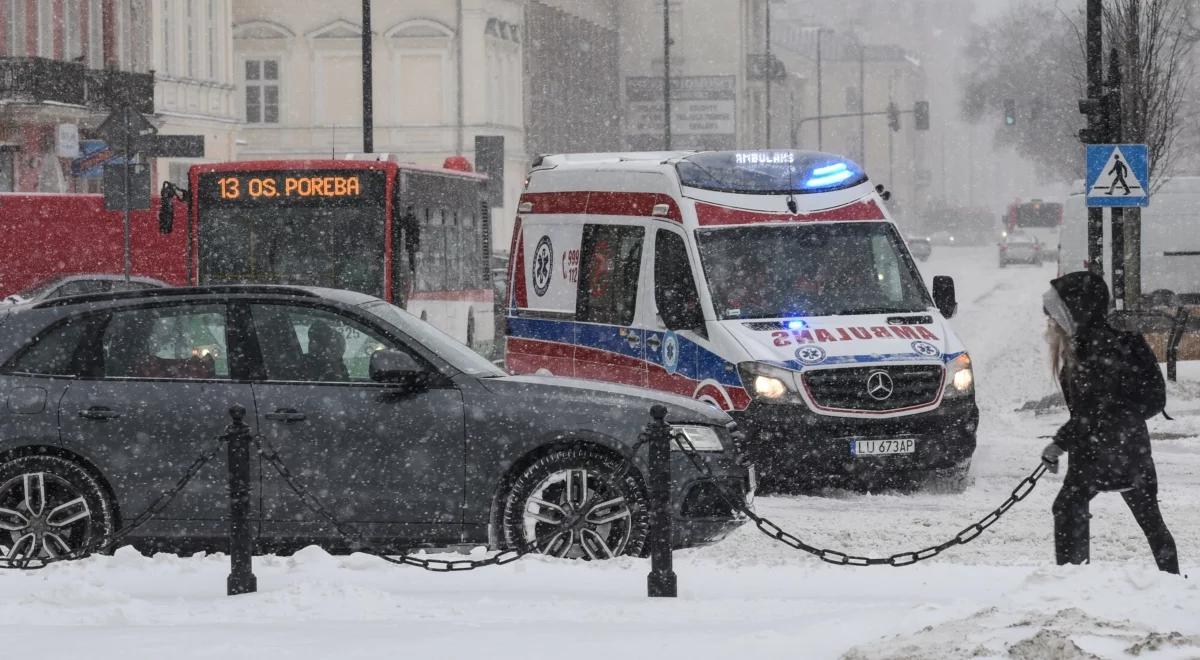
960	379
768	383
703	438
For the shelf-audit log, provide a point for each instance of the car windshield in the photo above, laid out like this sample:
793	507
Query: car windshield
446	347
809	270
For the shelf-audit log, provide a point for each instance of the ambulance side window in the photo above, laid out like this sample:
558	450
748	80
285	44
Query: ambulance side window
674	287
610	263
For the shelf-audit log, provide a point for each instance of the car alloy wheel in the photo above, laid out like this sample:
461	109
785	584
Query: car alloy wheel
577	504
574	514
50	510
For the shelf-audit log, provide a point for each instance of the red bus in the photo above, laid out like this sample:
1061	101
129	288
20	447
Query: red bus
44	235
413	235
1042	220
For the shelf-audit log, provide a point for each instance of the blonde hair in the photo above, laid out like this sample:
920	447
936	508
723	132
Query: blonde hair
1062	349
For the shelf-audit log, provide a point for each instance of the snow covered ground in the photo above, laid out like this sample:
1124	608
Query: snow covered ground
1000	596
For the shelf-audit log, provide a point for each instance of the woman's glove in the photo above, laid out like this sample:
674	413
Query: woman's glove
1050	456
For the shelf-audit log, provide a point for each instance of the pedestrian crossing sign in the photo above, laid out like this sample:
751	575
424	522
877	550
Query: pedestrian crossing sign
1117	175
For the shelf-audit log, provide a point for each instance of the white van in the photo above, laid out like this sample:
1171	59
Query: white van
1170	242
771	284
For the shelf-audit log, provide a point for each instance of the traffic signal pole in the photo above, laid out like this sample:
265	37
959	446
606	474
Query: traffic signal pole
1094	45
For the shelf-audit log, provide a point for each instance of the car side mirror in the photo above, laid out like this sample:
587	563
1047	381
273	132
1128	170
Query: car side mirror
943	295
395	367
166	215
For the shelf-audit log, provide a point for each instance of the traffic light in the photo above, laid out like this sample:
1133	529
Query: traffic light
1010	112
921	115
893	115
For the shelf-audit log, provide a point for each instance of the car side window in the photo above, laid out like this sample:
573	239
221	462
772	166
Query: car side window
305	344
179	342
610	264
80	287
53	352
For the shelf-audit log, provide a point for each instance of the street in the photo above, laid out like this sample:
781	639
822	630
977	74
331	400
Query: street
746	596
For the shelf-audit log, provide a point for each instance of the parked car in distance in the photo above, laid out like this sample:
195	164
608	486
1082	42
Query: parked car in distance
1021	248
411	437
943	238
921	247
82	283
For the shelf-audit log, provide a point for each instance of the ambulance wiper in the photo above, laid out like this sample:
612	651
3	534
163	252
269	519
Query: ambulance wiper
791	202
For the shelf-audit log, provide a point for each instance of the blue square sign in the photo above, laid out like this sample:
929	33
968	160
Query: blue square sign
1117	175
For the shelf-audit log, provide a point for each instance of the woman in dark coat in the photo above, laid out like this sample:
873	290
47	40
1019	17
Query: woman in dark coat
1106	435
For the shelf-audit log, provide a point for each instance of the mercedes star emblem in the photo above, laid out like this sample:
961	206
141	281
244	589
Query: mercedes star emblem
880	386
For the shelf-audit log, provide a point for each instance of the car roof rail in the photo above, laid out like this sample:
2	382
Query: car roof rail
172	292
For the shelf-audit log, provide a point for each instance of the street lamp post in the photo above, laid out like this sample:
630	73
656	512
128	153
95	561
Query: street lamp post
667	75
820	104
767	71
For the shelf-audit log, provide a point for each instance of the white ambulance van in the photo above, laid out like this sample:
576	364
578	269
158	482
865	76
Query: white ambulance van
771	284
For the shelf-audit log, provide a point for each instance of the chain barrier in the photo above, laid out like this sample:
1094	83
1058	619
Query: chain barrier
769	528
352	535
313	504
105	544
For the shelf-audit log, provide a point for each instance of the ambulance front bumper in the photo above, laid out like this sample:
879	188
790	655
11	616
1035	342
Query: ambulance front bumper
791	445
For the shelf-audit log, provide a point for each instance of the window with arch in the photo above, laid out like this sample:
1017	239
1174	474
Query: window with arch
261	71
422	71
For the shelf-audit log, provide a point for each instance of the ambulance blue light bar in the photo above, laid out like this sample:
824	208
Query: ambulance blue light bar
830	175
768	172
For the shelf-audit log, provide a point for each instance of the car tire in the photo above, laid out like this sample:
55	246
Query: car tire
606	514
51	506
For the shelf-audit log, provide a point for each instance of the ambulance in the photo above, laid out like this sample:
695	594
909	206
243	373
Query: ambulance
770	284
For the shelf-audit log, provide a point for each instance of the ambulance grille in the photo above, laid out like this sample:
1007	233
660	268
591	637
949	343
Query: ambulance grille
848	389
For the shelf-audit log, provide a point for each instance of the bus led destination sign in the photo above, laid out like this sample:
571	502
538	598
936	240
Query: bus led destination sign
291	187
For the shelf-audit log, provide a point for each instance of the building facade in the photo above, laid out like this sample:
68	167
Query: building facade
443	72
195	92
64	65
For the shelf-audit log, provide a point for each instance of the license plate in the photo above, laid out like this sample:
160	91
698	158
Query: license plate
885	447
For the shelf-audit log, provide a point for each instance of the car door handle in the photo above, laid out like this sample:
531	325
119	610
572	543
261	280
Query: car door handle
653	342
99	413
286	415
633	340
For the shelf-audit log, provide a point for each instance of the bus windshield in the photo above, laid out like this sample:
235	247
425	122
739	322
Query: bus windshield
340	248
767	272
314	227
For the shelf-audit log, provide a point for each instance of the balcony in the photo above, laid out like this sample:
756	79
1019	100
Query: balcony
41	80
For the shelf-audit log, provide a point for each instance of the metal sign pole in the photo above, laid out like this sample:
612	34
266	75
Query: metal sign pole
128	147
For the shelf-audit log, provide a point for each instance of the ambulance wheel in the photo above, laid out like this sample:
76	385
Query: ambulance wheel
577	503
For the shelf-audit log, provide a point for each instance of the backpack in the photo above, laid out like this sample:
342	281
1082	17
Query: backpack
1141	378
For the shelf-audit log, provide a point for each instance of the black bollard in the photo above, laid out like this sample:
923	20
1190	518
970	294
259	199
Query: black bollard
241	575
661	582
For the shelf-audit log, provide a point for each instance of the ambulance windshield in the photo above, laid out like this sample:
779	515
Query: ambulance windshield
768	172
804	270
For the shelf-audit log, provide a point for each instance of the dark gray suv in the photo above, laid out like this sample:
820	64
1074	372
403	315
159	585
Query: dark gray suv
401	431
